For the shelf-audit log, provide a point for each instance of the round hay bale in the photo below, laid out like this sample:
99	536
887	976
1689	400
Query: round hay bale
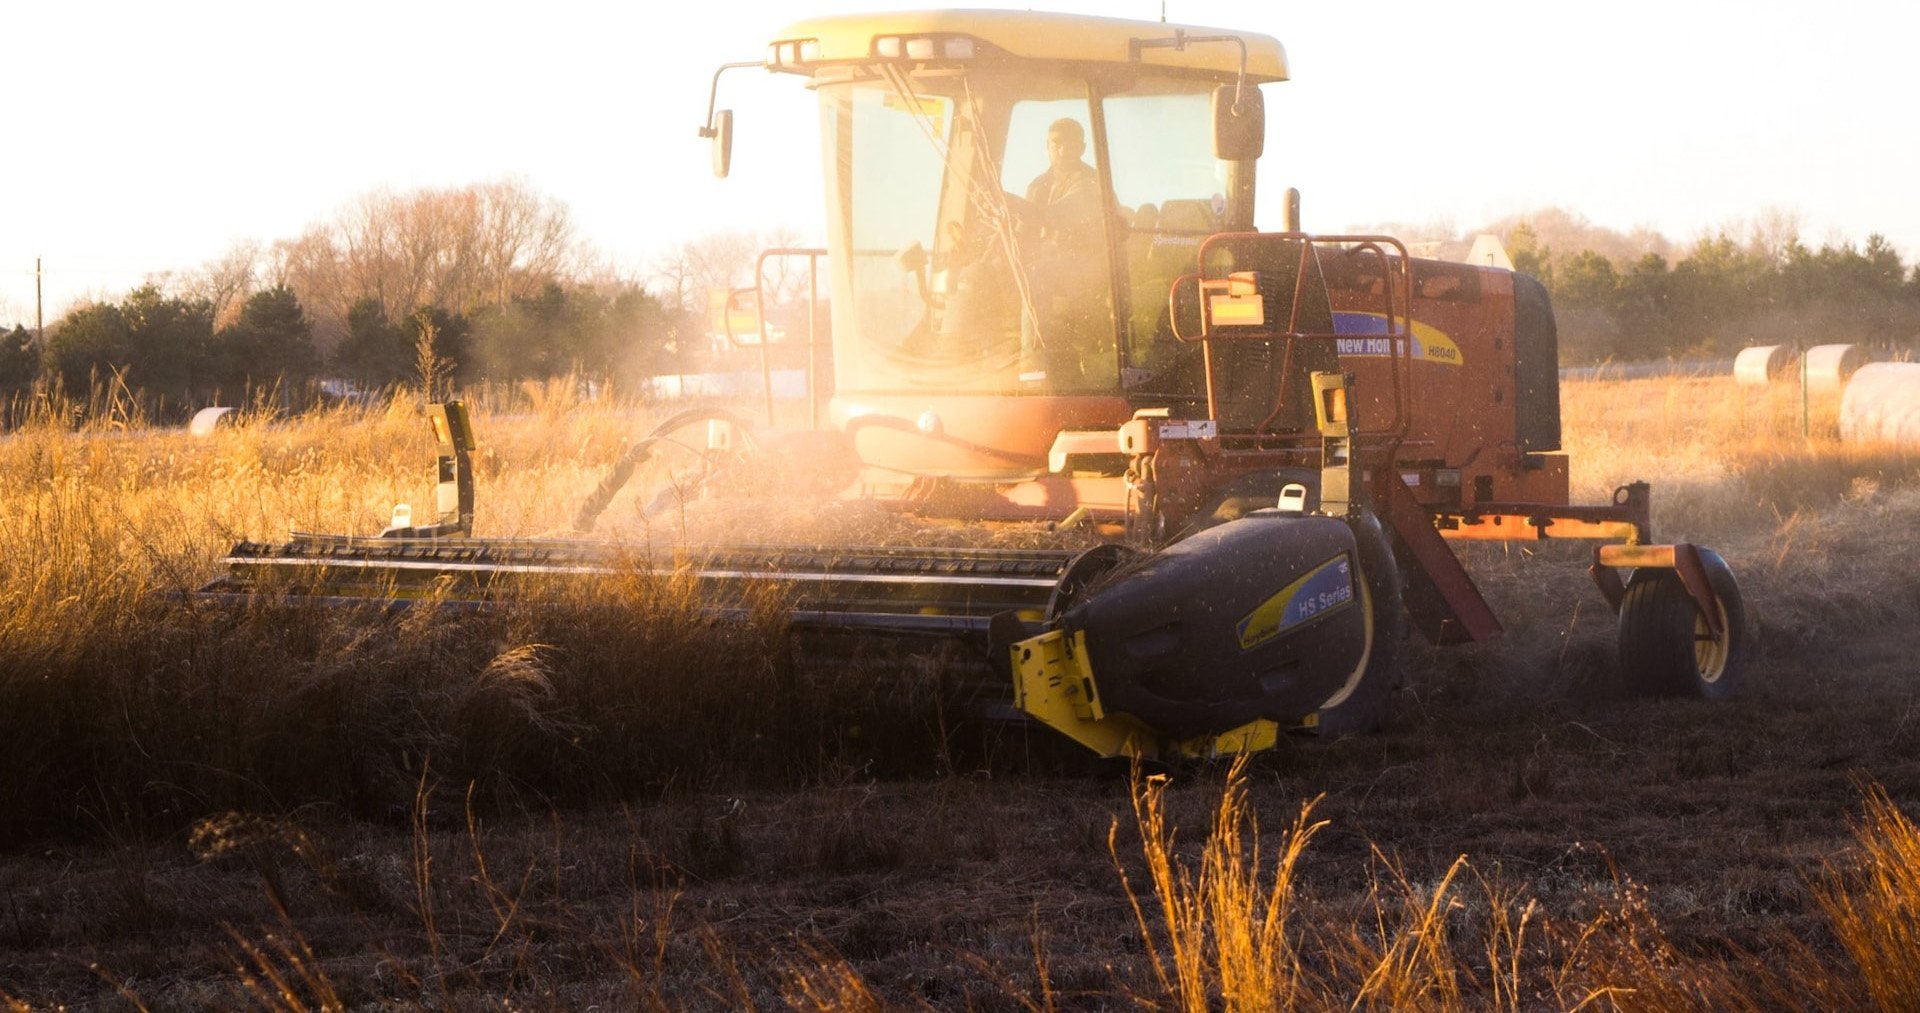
1760	365
1829	366
1882	402
206	420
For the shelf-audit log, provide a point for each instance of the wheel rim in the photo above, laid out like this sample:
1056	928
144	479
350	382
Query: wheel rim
1710	653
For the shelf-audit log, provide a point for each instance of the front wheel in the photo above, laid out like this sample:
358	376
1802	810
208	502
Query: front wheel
1666	647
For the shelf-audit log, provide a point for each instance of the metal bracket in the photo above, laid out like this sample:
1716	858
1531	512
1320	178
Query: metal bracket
453	489
1053	682
1332	395
1683	558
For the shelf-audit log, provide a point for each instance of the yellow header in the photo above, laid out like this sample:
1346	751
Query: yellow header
1043	36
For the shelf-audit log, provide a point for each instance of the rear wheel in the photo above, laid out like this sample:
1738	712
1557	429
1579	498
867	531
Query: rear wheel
1360	705
1666	645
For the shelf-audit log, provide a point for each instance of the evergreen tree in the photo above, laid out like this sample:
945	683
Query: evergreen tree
1529	256
1641	309
161	344
444	336
18	361
92	339
1587	280
172	346
374	352
271	342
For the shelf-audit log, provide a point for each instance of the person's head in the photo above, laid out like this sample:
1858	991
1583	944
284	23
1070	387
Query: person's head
1066	142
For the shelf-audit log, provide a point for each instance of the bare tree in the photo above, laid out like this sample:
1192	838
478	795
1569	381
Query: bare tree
1771	233
225	281
1568	232
314	268
459	249
726	260
715	260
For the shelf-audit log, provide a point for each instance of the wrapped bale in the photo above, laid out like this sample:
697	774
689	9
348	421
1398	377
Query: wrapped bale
206	420
1760	365
1829	366
1882	403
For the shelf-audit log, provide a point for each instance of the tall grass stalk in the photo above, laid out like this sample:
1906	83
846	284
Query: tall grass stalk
1873	902
1224	930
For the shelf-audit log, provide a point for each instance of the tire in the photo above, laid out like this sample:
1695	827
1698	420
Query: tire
1665	649
1360	706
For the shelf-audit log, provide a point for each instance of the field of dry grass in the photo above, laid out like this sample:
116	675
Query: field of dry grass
610	802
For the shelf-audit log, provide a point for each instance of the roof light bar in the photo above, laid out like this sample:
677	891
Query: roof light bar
925	47
793	53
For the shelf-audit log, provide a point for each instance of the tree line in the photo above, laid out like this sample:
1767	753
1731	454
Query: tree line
1637	297
486	281
171	348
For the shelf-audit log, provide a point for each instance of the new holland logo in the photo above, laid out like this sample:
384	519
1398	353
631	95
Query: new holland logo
1323	589
1430	344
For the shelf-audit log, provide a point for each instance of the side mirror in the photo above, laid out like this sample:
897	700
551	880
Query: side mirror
722	133
1239	136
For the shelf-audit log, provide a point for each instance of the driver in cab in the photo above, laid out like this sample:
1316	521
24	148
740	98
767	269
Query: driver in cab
1067	267
1068	193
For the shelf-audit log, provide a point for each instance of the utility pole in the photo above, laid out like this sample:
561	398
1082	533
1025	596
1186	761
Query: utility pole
38	341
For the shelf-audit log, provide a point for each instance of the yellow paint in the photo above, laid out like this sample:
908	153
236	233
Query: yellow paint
740	318
1431	344
1251	737
1045	36
1264	622
1053	682
933	110
1237	311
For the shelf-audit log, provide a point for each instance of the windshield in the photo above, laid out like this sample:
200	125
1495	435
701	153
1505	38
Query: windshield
1172	193
949	274
978	227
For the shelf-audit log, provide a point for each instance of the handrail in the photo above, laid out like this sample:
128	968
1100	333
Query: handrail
813	255
1396	275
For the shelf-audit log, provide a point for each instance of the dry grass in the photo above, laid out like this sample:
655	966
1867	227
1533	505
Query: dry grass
1873	900
1240	933
364	800
474	919
183	709
1732	457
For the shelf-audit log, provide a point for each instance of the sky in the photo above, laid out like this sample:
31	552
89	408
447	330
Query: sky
146	137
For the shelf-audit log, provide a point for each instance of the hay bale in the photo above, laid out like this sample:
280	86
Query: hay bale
1882	402
1760	365
1829	366
206	420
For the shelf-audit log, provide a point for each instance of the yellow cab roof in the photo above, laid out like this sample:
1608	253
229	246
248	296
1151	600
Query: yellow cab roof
1046	36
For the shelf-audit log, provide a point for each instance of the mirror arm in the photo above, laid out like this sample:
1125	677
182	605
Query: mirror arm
1181	40
713	93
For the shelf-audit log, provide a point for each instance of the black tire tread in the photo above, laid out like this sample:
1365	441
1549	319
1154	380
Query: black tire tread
1657	628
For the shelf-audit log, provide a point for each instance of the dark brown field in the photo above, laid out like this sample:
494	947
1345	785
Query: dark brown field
610	804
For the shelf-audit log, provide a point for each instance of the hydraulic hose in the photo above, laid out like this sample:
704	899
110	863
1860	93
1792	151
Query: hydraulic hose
636	455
